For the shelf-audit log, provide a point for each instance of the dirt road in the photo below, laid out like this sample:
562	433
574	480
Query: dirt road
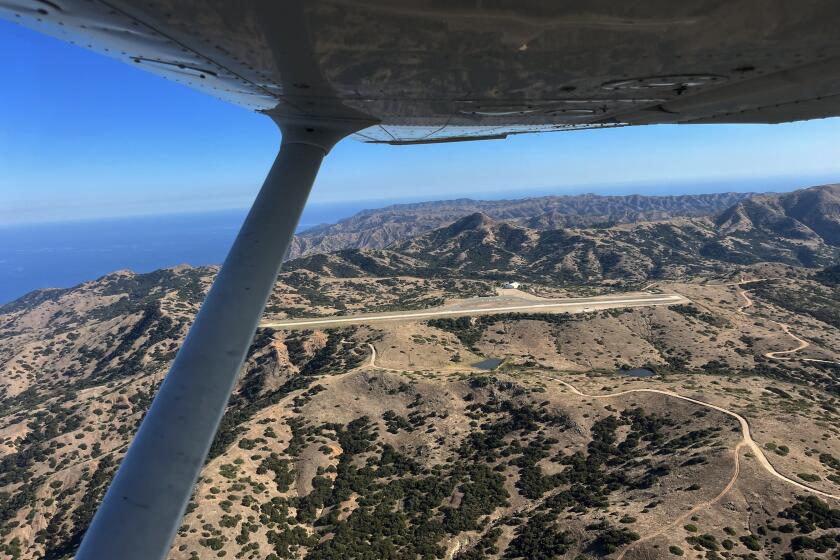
778	354
746	441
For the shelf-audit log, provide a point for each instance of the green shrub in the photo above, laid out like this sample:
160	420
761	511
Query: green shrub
751	542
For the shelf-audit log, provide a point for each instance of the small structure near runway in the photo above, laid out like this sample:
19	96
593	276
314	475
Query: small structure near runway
511	285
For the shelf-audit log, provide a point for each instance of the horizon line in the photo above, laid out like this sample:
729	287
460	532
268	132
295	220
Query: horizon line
493	195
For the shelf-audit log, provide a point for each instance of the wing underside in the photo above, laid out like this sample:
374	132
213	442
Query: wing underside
434	71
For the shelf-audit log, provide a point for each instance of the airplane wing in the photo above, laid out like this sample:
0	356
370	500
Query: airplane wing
409	72
440	70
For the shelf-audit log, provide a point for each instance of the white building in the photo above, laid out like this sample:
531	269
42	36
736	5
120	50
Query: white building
511	285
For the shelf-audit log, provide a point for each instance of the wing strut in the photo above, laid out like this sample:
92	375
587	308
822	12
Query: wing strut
145	503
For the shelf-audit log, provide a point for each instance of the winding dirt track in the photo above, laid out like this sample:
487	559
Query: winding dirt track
699	507
748	302
746	441
372	362
746	438
736	469
801	344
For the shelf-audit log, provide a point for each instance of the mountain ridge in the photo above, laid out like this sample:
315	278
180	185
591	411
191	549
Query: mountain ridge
479	246
807	213
378	228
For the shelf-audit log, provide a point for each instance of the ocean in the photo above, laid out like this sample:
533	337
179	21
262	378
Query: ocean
64	254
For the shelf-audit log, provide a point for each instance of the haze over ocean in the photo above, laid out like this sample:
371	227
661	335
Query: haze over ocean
63	254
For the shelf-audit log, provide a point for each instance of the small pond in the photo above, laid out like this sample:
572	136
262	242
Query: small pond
488	364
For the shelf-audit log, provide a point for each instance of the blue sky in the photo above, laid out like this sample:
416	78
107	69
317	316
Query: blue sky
83	136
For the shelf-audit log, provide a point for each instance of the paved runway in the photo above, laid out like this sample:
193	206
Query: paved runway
486	306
